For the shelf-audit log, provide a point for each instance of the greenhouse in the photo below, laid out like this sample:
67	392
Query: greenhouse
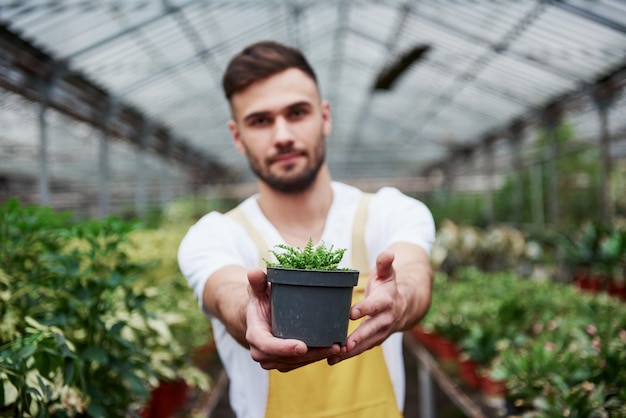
506	119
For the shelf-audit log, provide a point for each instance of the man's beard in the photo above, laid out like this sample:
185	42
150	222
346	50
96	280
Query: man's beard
286	184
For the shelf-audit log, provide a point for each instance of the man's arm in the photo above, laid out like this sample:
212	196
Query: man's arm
414	278
226	297
398	295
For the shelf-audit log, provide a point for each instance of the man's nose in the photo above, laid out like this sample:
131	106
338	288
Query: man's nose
282	131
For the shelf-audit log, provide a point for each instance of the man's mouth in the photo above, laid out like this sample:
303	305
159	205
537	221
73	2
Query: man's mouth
286	157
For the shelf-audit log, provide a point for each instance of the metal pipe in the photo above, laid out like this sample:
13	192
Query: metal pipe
603	97
44	175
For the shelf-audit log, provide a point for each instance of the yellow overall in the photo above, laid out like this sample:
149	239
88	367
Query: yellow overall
359	387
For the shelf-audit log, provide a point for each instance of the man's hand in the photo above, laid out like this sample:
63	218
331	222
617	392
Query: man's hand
396	298
271	352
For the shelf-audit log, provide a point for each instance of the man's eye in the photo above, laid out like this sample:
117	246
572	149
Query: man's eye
297	113
261	120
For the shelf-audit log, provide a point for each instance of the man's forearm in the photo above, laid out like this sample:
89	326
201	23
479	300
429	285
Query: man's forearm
414	278
415	286
226	297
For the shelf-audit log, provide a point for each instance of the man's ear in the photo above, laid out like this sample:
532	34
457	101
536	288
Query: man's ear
234	132
327	122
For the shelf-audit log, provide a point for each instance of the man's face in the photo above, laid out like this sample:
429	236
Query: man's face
280	124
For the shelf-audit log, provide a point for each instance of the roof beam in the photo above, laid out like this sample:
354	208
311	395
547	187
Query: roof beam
586	14
103	42
616	80
23	67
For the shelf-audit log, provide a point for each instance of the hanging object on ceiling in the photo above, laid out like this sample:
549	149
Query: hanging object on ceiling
388	76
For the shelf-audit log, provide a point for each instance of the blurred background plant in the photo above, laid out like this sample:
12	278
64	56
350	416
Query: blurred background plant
557	349
80	334
494	248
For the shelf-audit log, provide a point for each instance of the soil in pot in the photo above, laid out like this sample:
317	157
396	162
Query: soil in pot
311	305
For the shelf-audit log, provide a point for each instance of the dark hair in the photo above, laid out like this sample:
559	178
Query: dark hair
259	61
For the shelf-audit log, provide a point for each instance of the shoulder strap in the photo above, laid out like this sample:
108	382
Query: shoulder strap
360	260
262	247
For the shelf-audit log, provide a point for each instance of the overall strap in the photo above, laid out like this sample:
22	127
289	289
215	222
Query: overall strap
262	247
360	260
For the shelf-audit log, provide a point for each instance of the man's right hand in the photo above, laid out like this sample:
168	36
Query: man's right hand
271	352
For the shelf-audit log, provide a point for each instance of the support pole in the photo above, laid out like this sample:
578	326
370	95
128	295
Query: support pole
552	119
489	168
449	179
141	197
104	172
603	97
537	194
45	90
427	397
515	139
104	198
44	174
165	185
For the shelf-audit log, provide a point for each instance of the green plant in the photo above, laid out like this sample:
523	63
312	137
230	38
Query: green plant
560	351
581	247
308	258
612	253
168	290
76	338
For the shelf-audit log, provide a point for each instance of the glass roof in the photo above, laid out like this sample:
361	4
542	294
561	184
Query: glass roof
486	65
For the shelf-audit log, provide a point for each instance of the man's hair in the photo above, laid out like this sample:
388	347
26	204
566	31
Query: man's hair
260	61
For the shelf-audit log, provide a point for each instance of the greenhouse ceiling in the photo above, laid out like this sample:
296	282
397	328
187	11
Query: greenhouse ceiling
411	84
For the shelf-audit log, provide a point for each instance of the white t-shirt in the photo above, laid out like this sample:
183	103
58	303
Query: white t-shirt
216	241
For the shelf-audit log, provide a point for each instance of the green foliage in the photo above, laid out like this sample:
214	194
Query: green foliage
310	258
168	289
523	197
495	248
592	248
76	337
561	352
466	208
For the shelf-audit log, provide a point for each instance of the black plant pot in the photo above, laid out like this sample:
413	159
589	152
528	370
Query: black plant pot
311	305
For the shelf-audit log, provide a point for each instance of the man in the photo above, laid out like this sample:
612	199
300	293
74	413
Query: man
279	122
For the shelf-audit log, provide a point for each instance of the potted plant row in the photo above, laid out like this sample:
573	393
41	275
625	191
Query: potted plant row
558	351
595	254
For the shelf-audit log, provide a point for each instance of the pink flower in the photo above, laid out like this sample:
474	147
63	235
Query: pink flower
549	346
591	330
595	344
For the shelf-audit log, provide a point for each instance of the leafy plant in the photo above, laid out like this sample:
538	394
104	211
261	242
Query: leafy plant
308	258
613	253
168	290
76	337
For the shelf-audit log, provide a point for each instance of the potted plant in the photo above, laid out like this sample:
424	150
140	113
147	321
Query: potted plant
477	349
581	252
613	256
310	294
